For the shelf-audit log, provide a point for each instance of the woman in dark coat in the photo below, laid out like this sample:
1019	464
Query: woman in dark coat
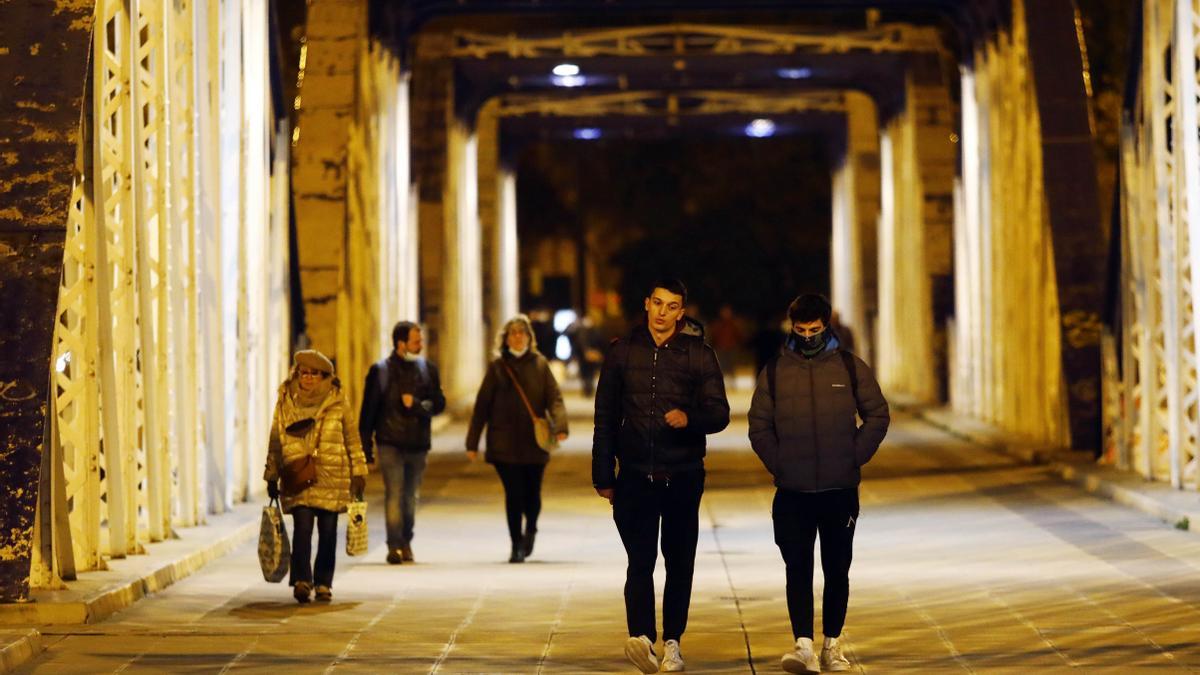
511	445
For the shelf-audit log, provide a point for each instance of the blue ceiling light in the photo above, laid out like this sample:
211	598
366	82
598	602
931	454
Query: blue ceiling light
569	80
794	73
587	134
760	128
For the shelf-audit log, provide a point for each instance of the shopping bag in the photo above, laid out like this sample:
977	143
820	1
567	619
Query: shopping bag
356	527
274	550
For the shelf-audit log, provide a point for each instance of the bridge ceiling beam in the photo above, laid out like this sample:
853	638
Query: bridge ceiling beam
967	17
880	76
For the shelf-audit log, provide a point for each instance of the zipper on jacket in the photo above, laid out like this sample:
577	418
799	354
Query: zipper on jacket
653	409
812	398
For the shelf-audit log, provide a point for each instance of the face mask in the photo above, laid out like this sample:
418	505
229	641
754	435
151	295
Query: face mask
812	344
410	357
517	354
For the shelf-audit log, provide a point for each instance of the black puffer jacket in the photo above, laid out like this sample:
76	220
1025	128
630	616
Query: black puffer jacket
640	383
498	405
806	434
384	419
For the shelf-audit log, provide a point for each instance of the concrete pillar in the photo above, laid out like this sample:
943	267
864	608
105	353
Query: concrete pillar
863	155
508	277
43	82
327	99
464	337
905	333
487	131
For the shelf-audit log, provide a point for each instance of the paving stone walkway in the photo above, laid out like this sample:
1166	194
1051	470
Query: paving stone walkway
965	561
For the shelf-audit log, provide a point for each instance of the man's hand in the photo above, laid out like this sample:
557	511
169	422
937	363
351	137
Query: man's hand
607	493
407	400
677	419
561	436
473	455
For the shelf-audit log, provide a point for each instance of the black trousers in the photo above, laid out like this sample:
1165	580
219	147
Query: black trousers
639	504
522	495
798	518
303	518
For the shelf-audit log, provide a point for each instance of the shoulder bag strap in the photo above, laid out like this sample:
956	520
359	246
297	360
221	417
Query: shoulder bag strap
520	389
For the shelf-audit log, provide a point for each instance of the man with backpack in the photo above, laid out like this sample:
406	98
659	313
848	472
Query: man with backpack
803	428
401	395
660	393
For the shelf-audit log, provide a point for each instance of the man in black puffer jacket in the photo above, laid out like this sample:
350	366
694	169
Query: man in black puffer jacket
400	397
802	427
660	393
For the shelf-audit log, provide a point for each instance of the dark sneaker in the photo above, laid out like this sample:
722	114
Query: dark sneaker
394	556
640	651
406	553
301	591
518	554
527	542
324	594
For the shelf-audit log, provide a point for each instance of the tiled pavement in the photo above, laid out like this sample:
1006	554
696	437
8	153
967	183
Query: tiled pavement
965	561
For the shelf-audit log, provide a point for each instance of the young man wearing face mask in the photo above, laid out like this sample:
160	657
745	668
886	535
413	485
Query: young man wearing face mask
803	428
401	395
660	393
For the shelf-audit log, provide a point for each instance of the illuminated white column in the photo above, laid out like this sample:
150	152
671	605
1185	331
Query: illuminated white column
462	339
846	267
508	281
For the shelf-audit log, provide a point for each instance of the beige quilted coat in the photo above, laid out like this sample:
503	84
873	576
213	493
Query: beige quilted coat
339	453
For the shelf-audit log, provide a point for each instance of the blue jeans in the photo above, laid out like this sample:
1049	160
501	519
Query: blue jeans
303	519
402	473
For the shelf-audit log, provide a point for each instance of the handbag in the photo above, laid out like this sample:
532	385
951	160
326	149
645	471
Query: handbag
356	528
300	474
542	433
274	549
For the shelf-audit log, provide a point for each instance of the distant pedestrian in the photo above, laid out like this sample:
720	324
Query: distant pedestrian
401	396
660	393
315	451
727	338
803	428
517	381
582	333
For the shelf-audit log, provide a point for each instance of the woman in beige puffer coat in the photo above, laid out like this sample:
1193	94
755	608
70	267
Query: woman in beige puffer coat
312	392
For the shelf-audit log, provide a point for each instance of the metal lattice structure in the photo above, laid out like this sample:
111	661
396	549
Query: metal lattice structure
1006	366
688	39
1153	415
176	233
653	104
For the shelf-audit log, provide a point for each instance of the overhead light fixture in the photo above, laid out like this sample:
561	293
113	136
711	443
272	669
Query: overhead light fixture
760	128
794	73
568	80
566	70
587	133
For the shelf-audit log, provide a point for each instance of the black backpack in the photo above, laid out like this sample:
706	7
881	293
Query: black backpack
847	359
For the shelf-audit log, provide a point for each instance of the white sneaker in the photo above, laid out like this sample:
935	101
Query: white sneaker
802	659
640	651
832	658
672	661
